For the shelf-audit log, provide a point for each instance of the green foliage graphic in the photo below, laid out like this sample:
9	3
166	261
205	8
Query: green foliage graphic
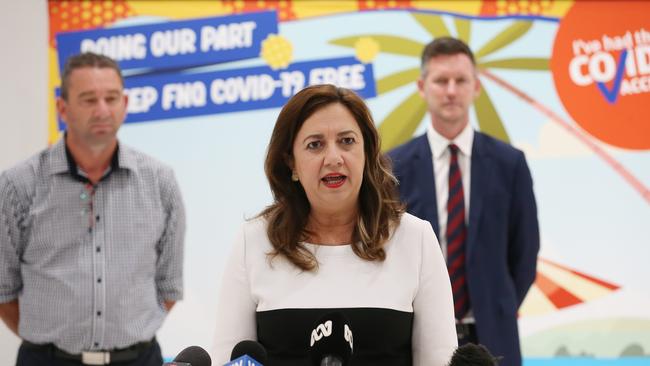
400	124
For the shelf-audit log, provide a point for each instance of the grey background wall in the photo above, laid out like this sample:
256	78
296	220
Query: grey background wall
23	99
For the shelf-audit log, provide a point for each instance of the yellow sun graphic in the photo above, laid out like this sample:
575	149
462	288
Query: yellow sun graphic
277	51
366	49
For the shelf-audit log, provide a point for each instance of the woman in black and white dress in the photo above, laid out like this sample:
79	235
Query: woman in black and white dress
335	238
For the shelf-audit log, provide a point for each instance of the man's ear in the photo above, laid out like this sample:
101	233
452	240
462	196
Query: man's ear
420	83
477	87
61	108
126	100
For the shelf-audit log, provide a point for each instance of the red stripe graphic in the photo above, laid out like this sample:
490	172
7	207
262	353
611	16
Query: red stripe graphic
557	295
592	279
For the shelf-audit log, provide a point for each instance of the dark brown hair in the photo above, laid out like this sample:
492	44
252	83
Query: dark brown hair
444	46
379	205
87	59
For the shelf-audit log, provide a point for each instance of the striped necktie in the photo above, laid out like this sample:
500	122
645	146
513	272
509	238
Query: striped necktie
456	236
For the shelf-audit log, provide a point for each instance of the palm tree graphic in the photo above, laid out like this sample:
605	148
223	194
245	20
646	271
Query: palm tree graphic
401	123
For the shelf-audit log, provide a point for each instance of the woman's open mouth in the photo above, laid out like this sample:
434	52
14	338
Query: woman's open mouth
333	180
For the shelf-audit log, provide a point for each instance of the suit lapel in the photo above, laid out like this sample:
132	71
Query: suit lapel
481	178
426	182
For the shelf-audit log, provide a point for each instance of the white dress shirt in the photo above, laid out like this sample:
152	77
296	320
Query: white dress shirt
440	155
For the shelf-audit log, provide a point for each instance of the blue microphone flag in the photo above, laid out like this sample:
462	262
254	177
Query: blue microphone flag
243	361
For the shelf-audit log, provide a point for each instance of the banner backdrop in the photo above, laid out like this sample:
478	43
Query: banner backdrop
566	82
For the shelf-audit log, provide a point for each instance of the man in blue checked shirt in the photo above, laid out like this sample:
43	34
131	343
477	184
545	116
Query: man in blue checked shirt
91	235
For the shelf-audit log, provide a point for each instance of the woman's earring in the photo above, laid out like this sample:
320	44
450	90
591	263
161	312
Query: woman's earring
294	176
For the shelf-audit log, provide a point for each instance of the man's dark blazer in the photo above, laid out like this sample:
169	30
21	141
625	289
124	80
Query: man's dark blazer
503	233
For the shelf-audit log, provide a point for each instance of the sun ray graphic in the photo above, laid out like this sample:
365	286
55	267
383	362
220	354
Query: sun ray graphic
557	287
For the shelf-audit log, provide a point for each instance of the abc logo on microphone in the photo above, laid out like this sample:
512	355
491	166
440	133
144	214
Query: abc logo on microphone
331	342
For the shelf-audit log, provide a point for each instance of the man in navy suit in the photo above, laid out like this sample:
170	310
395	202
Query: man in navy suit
500	235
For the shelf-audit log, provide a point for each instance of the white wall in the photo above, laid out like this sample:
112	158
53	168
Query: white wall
23	71
23	98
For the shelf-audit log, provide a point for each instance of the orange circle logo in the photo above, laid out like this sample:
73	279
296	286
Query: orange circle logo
601	70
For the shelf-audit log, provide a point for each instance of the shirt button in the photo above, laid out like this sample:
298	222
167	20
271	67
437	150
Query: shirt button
99	249
97	218
83	196
99	280
99	313
96	344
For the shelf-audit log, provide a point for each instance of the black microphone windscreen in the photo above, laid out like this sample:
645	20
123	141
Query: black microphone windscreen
252	349
195	356
473	354
331	336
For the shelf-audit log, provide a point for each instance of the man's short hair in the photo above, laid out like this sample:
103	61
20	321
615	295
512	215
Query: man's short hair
446	46
87	59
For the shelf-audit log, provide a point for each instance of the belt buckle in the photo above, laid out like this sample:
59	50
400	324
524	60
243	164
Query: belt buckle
95	358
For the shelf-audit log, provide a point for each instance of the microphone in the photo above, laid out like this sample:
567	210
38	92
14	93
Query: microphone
331	342
191	356
247	353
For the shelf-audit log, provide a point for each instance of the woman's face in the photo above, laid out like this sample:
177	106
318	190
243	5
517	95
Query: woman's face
329	158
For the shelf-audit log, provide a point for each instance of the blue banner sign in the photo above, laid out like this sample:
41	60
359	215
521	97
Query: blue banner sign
175	44
162	96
